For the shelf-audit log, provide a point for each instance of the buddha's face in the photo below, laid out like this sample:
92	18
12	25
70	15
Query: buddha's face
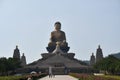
57	27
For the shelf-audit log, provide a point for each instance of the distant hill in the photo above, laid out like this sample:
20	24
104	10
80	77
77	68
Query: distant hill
87	62
117	55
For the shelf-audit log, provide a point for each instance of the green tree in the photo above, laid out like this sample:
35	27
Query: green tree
3	63
13	64
110	64
7	65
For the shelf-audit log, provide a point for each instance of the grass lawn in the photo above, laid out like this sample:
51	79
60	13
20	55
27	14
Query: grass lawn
10	77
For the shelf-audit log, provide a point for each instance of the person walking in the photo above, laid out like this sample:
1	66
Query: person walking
50	72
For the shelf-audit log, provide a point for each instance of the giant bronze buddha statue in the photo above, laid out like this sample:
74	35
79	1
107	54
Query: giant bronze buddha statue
57	36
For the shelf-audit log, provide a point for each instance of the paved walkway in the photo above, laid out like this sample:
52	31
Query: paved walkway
59	77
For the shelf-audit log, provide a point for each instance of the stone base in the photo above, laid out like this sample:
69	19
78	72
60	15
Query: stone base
64	49
47	55
61	63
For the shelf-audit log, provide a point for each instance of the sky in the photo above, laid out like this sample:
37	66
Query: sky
87	24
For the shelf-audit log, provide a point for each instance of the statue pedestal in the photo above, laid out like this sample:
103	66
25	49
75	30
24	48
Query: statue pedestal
58	50
47	55
64	49
69	55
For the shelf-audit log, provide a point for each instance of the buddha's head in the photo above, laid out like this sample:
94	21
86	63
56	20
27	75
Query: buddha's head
16	46
57	26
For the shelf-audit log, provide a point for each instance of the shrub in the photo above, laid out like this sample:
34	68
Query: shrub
34	77
91	77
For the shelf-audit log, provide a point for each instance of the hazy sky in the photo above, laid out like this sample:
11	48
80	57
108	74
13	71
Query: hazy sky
87	23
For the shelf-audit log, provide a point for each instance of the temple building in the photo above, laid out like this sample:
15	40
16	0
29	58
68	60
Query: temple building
16	55
99	54
92	60
23	60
